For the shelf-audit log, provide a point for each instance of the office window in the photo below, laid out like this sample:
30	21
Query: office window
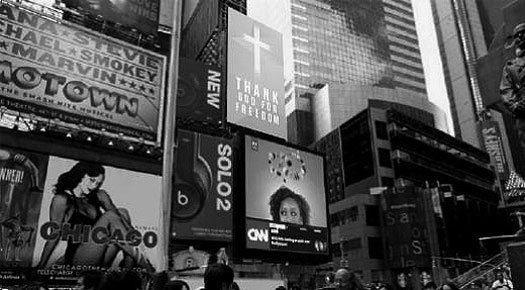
387	181
352	214
384	158
372	215
381	131
336	250
375	248
352	244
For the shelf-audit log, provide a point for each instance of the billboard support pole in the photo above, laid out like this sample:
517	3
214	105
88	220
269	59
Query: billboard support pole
169	131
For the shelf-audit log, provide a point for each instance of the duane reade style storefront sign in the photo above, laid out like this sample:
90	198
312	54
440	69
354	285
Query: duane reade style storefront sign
255	76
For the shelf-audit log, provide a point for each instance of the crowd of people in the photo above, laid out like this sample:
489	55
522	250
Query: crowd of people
219	276
345	279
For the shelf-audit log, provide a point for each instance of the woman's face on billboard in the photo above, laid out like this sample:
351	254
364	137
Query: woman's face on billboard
90	183
289	212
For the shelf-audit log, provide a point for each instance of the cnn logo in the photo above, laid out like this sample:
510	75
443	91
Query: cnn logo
258	235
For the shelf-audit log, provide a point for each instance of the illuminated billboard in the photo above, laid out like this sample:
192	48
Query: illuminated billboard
285	199
63	216
255	76
61	72
199	95
202	188
142	15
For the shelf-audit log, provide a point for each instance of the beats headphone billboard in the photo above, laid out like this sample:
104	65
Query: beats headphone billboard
199	94
203	187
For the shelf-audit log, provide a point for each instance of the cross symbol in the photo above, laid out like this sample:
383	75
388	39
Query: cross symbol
257	45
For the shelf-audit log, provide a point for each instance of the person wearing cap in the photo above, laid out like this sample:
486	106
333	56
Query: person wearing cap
512	83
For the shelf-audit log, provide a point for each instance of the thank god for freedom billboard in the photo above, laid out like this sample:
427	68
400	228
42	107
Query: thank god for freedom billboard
61	72
255	76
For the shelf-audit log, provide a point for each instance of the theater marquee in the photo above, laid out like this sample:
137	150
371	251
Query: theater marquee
61	72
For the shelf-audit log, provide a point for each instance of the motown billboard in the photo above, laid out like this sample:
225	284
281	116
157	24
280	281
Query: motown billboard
60	72
203	188
139	14
63	216
255	76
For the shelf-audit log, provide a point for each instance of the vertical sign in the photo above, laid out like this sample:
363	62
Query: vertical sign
404	224
494	146
255	76
203	188
199	95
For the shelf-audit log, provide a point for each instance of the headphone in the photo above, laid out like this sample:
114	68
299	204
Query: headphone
193	177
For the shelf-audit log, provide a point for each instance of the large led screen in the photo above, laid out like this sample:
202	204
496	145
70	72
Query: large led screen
285	199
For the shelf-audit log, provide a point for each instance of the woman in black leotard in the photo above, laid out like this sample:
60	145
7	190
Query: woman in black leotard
79	200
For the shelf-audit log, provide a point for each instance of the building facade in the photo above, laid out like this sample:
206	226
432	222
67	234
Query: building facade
372	43
461	41
385	147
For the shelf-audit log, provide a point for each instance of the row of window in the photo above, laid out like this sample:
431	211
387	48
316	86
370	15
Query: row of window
375	247
351	215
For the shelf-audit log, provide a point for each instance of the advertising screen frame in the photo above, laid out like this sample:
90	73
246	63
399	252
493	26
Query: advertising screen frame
241	249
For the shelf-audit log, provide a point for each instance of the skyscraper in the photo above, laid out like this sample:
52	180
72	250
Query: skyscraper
472	37
359	43
462	42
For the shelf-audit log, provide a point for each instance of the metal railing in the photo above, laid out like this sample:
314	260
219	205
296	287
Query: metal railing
482	270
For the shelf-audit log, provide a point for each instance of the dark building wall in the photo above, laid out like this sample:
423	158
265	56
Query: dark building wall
415	113
300	124
356	146
330	145
470	212
202	23
201	33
